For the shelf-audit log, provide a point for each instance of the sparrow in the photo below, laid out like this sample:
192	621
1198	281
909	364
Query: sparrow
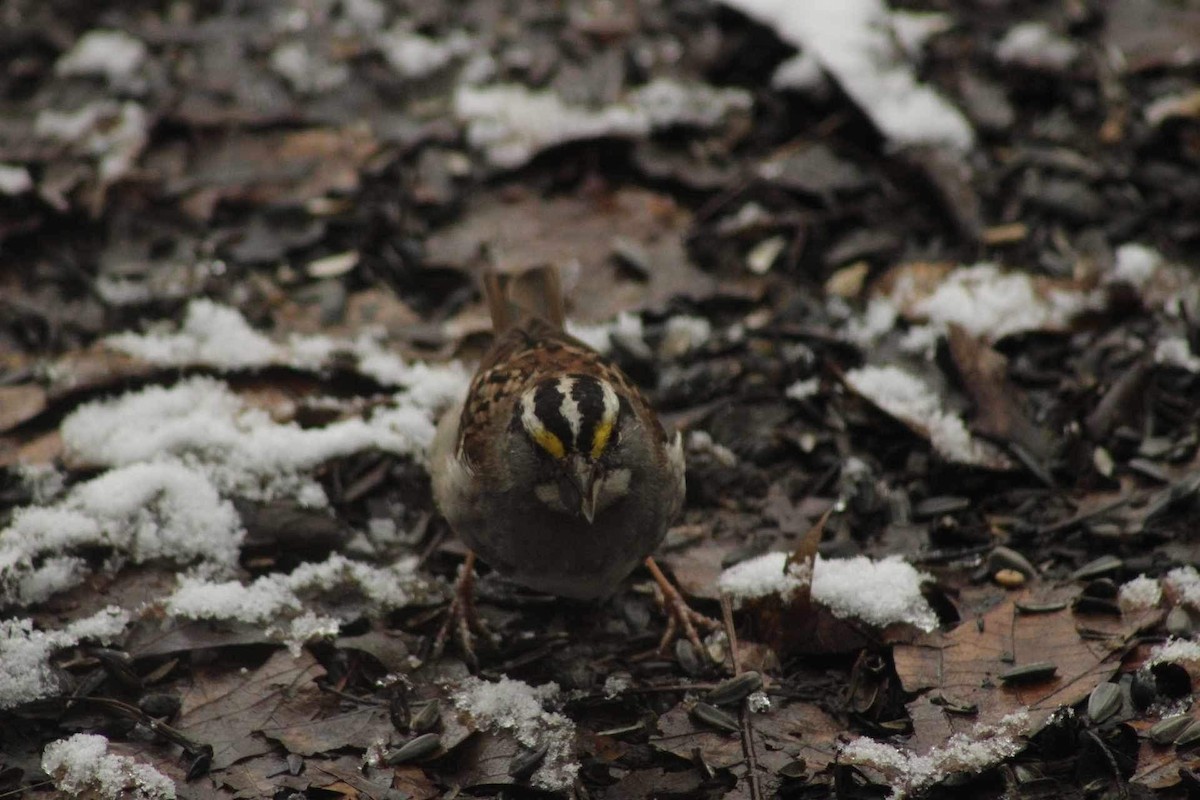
554	468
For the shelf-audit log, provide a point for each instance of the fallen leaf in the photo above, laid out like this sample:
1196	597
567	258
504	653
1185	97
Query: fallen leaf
279	167
20	404
229	710
581	230
962	668
1158	765
789	732
998	410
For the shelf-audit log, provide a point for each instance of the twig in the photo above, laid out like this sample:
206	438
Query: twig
162	729
745	723
21	789
747	726
731	633
1122	787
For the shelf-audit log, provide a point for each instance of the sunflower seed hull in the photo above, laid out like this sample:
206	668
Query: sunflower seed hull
1030	673
1104	701
1190	735
1166	730
714	717
733	690
428	718
419	748
527	762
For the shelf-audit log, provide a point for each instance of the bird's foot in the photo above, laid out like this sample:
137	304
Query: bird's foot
462	619
679	614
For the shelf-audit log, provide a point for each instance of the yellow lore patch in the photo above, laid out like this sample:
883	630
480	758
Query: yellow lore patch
601	437
549	442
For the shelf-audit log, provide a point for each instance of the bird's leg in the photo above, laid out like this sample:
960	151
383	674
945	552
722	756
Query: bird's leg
461	617
679	613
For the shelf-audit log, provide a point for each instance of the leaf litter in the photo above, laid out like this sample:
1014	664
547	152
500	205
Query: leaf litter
211	156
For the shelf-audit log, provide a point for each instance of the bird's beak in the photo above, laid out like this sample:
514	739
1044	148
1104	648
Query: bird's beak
584	475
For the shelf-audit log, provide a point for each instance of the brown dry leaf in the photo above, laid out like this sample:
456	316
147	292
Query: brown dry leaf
230	710
1150	35
962	667
40	450
346	776
278	167
328	729
789	732
96	367
697	569
152	638
415	783
483	759
583	229
255	777
20	404
998	410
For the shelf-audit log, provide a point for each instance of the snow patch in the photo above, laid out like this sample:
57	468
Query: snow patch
412	55
990	303
907	398
971	753
856	42
141	512
14	180
511	123
114	55
1135	264
339	586
804	389
25	673
113	133
238	449
218	336
1034	45
520	708
1175	650
1184	584
837	584
82	766
1140	594
1176	351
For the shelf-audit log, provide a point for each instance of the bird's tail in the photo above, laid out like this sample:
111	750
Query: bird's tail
513	298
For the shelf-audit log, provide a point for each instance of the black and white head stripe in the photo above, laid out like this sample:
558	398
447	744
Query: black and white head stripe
574	413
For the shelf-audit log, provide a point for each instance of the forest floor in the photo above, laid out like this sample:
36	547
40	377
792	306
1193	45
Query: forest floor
917	284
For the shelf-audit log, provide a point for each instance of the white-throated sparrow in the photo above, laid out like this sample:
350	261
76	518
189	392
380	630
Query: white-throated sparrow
554	468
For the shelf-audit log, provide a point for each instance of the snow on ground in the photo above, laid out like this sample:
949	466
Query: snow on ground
237	449
972	753
217	336
82	767
1140	594
895	594
281	601
140	512
992	303
907	398
1175	650
511	123
176	457
25	672
1184	585
855	41
520	708
1176	351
